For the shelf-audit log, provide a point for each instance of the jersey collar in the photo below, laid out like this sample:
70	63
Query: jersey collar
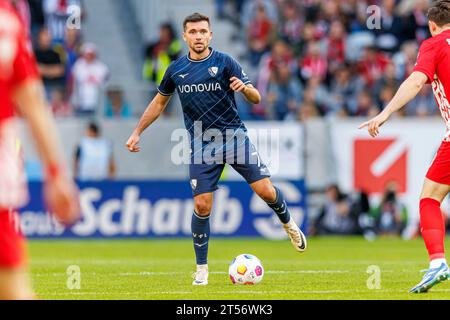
204	59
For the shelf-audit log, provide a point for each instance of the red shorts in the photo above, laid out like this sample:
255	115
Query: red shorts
12	243
440	169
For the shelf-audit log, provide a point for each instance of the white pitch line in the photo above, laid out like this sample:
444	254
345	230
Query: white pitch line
171	261
150	273
145	273
306	271
174	273
252	292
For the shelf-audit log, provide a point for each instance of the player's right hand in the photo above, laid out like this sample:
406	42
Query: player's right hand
62	199
132	143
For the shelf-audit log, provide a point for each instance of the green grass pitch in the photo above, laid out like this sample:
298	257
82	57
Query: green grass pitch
332	268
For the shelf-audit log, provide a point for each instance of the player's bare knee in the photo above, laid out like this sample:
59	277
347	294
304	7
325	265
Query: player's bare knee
203	211
202	207
267	193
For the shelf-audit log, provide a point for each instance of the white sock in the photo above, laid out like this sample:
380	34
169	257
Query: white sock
436	263
202	267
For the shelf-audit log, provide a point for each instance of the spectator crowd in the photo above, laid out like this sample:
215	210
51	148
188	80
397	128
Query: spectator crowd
330	58
308	58
75	78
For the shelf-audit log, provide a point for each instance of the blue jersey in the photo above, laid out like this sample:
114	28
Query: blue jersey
204	90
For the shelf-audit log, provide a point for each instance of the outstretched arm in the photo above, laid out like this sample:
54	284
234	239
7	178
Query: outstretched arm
153	111
407	91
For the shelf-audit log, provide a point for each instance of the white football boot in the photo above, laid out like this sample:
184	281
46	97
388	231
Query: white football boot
297	237
201	276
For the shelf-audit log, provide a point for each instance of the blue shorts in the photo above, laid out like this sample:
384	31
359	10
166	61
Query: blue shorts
245	160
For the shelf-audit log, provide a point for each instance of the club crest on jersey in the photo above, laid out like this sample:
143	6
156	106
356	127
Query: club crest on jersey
213	71
194	184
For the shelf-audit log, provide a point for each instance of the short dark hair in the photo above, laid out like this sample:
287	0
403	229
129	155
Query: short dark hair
439	13
94	128
195	17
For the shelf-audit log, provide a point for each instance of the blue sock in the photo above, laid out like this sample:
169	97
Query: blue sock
200	235
280	207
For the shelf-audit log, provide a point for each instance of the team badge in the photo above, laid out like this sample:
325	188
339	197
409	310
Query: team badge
213	71
194	184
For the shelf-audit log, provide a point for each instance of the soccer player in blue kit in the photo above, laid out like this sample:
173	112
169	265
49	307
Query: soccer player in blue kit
206	81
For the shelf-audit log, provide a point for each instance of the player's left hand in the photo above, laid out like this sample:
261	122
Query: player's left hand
132	143
373	125
237	85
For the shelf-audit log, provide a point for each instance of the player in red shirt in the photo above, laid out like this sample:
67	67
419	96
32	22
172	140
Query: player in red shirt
20	86
433	65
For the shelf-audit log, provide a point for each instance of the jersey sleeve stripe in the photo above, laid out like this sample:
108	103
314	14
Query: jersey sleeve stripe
165	94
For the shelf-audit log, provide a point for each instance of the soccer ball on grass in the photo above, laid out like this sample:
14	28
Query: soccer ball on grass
246	269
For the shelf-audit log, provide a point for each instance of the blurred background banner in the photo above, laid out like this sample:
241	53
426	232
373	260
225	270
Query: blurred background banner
161	209
398	159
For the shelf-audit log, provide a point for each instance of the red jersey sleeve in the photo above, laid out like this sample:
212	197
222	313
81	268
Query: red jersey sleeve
17	62
426	60
25	66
